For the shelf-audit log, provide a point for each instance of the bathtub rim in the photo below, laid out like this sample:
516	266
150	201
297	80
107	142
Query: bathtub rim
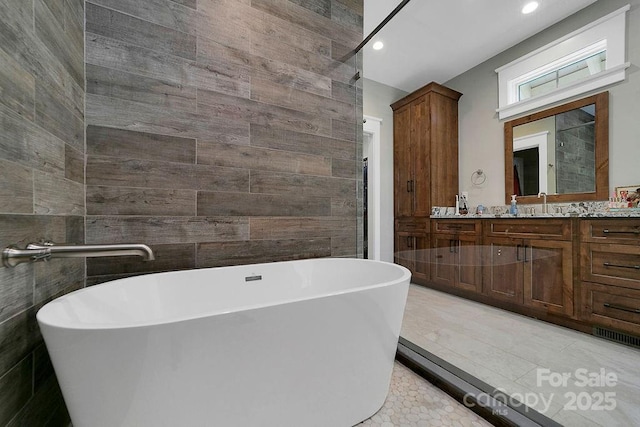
42	313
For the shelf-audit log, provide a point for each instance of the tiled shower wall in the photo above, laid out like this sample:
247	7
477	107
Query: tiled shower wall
41	189
217	131
221	132
575	152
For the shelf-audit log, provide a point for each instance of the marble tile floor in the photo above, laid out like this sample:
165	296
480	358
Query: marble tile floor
571	377
415	402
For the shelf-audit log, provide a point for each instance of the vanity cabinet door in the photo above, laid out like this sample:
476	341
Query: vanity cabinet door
422	269
503	269
404	253
548	276
443	259
412	250
456	255
469	274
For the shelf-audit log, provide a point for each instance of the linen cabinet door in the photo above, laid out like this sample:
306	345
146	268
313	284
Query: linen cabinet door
421	159
548	276
503	269
403	170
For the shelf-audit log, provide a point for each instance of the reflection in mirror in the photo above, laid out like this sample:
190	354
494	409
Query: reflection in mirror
556	155
562	151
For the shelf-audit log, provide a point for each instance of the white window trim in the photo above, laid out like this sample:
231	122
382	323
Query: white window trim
608	31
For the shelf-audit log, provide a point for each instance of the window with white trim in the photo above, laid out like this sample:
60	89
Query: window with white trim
585	60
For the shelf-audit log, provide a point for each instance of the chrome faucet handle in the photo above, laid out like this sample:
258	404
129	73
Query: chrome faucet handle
41	257
43	244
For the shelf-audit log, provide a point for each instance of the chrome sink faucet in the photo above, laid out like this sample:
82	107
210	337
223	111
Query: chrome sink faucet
545	210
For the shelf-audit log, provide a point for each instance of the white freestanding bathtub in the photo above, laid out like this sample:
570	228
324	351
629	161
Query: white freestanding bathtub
298	343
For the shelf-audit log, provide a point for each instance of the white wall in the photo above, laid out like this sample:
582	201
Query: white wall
481	133
377	99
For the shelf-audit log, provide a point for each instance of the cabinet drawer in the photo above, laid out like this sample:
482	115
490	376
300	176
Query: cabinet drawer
612	306
625	231
455	226
617	265
557	229
412	225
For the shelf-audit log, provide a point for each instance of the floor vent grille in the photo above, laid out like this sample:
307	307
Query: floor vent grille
619	337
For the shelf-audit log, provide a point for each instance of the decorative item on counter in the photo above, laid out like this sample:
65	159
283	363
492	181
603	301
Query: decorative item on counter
464	209
513	210
479	210
457	211
628	196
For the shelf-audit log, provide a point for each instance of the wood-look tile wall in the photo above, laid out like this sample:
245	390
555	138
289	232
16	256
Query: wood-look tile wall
221	132
41	190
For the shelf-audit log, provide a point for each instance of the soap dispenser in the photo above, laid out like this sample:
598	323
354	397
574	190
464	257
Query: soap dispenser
513	210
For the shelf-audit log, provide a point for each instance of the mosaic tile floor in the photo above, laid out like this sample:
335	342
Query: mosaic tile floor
413	401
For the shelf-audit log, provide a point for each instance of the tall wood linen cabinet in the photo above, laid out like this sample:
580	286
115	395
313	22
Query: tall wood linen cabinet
425	159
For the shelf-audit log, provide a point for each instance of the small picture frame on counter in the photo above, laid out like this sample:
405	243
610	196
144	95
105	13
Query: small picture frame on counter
629	193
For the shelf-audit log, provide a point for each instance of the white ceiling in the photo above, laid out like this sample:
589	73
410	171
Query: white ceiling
436	40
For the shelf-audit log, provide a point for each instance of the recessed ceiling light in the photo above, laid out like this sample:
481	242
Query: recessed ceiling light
530	7
378	45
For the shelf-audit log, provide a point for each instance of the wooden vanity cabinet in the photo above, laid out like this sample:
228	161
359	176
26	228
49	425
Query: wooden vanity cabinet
534	266
530	262
456	254
425	156
412	245
610	273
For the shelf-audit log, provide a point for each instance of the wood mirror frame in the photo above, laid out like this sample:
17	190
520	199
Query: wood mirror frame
601	131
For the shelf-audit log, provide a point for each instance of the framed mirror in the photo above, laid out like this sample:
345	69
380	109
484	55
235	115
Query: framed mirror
562	151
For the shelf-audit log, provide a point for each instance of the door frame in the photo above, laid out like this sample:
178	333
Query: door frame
371	126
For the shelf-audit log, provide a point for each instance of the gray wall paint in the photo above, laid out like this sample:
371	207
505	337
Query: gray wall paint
481	133
41	190
221	135
377	99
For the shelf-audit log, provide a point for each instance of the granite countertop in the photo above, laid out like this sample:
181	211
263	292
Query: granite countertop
580	210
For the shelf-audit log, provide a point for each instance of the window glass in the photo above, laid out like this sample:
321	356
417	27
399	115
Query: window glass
563	76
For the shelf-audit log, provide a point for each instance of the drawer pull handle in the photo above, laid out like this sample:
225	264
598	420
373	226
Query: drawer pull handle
607	231
608	264
617	307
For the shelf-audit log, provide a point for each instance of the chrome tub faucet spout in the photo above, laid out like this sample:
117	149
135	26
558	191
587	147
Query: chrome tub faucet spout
12	256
